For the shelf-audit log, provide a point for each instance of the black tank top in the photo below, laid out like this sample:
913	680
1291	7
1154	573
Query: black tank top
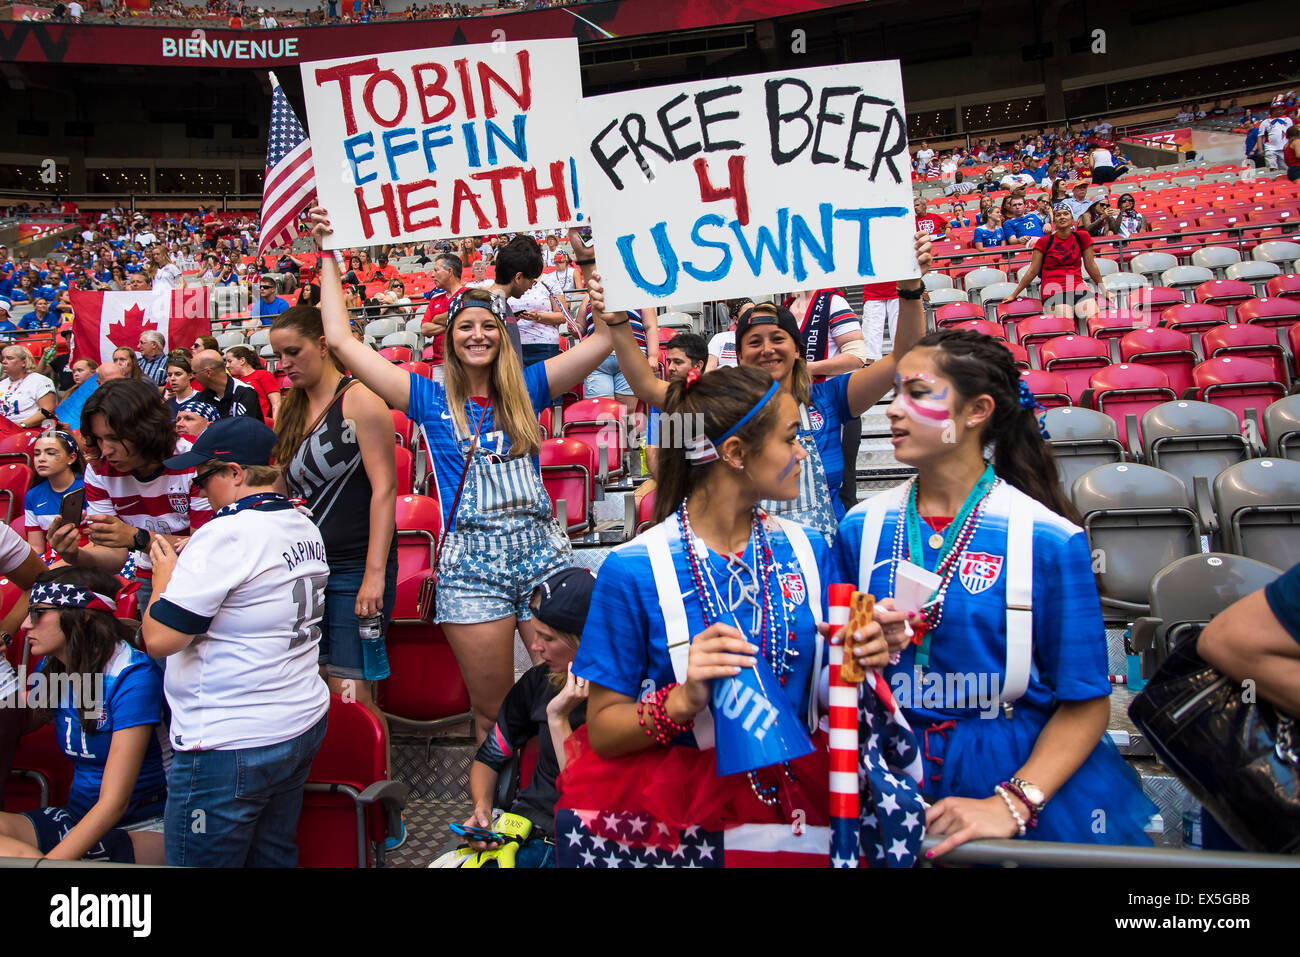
328	473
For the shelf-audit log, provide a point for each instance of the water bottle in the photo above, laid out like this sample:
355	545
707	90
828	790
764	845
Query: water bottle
372	628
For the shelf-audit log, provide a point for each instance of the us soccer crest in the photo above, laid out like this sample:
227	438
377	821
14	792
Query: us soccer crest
815	420
180	502
792	588
979	570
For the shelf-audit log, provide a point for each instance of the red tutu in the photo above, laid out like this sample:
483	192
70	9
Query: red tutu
678	787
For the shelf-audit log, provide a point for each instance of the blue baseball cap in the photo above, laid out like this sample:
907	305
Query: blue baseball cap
565	599
240	440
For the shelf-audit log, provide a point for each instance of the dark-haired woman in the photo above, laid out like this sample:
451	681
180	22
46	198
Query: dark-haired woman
309	295
1057	257
243	363
481	425
335	437
1021	749
106	719
128	433
57	459
768	337
180	382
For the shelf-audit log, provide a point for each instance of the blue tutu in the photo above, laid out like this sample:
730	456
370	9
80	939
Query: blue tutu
1103	803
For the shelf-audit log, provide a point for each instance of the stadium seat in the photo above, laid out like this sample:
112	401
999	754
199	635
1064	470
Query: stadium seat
1081	439
1125	392
418	525
983	327
1050	389
1192	440
1223	292
600	423
1186	594
1119	285
1272	312
379	328
41	774
262	337
1285	287
569	474
15	480
1075	359
950	315
1151	265
936	280
939	298
1256	273
1245	386
1114	323
349	807
978	278
1282	423
1194	317
405	464
1138	520
1154	300
994	295
401	338
1019	353
1281	254
1185	279
17	448
1035	330
1168	350
1258	505
1217	258
228	339
1010	312
1252	341
396	353
403	428
645	512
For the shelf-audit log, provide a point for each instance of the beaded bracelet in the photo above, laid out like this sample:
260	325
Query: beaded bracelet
1002	792
1017	792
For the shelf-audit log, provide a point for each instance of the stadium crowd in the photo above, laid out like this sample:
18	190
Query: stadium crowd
246	516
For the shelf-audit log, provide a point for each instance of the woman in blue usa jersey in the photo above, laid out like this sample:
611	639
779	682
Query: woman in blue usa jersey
768	338
1005	674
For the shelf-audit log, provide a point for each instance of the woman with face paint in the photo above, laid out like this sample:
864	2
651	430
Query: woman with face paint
1002	667
768	338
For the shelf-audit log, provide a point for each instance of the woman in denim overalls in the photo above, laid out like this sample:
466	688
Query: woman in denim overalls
502	539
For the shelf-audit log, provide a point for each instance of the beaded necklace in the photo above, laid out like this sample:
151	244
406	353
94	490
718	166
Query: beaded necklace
778	652
959	535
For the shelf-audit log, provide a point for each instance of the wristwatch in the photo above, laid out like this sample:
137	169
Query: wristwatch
141	541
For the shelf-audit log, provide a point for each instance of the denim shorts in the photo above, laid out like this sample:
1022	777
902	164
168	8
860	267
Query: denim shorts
342	651
607	381
489	580
239	808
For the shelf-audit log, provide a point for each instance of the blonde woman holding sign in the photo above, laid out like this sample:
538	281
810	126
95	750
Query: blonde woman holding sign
768	338
482	431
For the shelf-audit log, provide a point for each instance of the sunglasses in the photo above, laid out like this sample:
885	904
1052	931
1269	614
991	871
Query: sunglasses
201	478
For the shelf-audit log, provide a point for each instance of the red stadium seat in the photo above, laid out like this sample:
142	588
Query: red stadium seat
983	327
1019	353
41	775
405	463
1252	341
1050	389
403	427
424	691
1224	292
1271	312
1012	311
645	512
396	353
418	525
1074	358
1168	350
349	806
600	423
1129	389
1154	300
1114	323
1245	386
1293	344
17	447
1194	317
15	480
569	474
956	312
1286	286
1038	329
546	421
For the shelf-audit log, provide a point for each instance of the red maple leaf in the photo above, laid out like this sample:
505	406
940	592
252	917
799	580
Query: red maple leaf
126	334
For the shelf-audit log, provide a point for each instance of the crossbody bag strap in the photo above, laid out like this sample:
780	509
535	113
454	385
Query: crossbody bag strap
455	503
1020	598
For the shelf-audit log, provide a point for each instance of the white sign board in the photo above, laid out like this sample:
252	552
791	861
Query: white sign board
757	184
454	141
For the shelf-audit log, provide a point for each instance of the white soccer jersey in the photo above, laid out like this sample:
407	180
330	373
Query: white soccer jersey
251	585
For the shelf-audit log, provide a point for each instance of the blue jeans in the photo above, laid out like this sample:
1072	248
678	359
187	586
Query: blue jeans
238	808
607	381
535	853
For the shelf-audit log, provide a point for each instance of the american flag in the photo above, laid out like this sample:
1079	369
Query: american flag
290	182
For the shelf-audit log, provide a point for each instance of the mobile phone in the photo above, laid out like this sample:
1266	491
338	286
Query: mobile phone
477	833
73	504
585	233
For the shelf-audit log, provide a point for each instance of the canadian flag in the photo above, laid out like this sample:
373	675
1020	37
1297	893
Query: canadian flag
114	320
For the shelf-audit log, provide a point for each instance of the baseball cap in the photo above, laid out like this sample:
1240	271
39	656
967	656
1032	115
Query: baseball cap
240	440
565	599
5	304
761	315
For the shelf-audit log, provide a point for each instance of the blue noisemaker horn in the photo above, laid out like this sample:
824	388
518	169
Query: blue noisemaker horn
755	725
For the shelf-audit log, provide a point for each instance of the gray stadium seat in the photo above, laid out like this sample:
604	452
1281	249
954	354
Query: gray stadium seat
977	279
1186	594
1121	283
1192	439
413	325
1217	258
1258	504
1138	520
1081	439
993	294
400	339
228	339
936	280
1106	267
260	338
1256	273
1152	264
1282	426
381	327
1186	278
1282	254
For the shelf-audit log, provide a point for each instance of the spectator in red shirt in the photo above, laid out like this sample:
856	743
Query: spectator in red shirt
930	223
446	273
246	366
1057	257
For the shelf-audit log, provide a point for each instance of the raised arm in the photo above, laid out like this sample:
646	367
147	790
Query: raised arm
868	385
386	380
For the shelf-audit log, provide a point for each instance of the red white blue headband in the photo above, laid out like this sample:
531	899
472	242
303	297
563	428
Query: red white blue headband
701	449
68	595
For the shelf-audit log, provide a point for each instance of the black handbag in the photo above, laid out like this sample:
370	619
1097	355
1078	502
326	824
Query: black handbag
1240	759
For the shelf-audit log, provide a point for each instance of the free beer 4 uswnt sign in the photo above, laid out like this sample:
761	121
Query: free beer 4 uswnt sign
430	144
754	184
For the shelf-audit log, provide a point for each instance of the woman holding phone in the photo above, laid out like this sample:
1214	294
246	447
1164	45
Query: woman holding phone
57	459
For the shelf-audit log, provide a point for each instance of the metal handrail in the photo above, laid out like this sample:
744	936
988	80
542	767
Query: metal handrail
1016	853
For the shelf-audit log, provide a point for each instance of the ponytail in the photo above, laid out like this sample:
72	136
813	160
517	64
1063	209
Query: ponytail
980	365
